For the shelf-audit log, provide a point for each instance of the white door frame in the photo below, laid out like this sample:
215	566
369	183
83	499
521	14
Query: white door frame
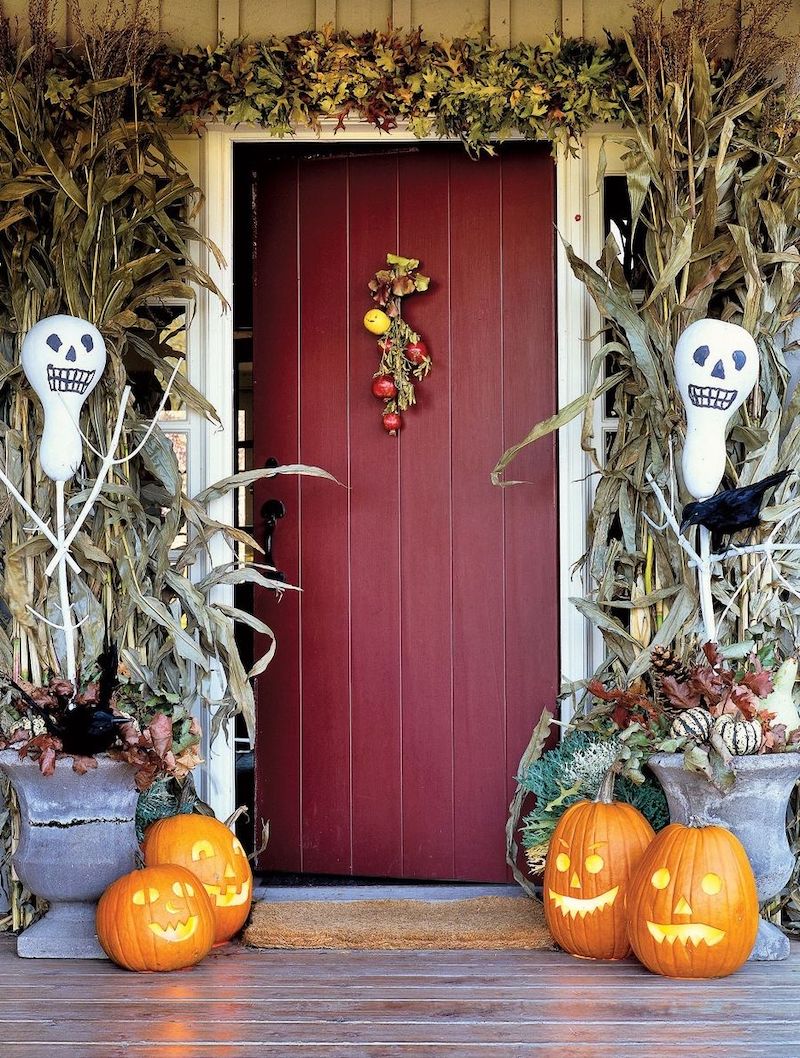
213	338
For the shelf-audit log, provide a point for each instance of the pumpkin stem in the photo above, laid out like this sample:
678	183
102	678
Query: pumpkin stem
605	794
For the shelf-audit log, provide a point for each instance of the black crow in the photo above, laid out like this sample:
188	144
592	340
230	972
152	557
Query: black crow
84	729
731	510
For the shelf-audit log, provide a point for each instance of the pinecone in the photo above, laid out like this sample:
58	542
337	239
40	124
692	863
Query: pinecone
664	662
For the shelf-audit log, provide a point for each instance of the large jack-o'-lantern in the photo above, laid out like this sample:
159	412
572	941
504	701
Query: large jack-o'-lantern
692	904
159	918
592	854
209	850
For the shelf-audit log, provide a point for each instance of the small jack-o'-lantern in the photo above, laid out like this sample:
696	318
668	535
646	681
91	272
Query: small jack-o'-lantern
159	918
211	851
692	904
592	854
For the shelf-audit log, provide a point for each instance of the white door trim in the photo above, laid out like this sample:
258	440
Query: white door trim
215	346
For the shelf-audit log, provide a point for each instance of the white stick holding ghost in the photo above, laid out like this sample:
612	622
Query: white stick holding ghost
716	368
63	358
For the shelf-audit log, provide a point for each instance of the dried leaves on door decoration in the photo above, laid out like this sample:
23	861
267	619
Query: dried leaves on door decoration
404	356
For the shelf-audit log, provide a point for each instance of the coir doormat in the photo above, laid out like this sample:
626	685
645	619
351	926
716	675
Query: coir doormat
481	922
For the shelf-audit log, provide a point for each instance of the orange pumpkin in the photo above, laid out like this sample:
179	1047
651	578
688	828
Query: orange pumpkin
159	918
209	850
692	904
593	851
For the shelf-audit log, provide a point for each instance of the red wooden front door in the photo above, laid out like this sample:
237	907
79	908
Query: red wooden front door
410	670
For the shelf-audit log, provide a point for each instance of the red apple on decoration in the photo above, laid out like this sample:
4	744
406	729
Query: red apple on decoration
383	386
392	422
417	352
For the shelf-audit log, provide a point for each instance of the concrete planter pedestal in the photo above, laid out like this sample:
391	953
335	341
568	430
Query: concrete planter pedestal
754	810
77	836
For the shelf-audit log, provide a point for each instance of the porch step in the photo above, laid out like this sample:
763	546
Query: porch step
382	892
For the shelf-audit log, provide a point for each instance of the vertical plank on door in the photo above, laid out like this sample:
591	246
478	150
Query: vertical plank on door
426	659
324	535
374	540
478	632
529	386
276	434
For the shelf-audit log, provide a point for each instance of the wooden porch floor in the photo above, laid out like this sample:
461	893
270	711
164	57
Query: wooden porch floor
244	1004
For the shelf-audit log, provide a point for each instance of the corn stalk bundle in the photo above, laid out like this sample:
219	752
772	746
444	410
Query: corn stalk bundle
96	220
712	164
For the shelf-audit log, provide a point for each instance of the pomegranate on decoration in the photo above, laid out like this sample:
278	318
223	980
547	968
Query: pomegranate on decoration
383	386
392	422
417	352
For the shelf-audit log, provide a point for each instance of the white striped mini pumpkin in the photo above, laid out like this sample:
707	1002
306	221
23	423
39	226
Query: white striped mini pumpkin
694	724
740	737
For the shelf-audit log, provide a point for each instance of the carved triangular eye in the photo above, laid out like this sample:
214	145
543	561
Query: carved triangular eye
701	354
739	359
54	342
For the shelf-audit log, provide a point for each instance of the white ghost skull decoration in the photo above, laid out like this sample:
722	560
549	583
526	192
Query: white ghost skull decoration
716	367
63	358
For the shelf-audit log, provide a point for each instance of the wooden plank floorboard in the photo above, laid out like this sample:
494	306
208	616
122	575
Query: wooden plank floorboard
597	1049
242	1004
311	1010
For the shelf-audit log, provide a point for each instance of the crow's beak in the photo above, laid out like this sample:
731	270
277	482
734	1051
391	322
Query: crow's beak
122	720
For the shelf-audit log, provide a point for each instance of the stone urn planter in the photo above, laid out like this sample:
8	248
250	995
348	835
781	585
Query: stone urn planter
77	835
754	809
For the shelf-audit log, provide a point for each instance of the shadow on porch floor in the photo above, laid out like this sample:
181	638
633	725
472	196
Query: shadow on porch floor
245	1004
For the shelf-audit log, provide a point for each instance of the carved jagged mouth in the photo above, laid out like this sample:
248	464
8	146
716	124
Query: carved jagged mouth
68	379
686	932
228	895
572	906
712	397
178	931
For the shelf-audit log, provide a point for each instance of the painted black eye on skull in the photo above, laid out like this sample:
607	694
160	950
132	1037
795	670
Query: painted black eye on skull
701	354
54	342
87	343
739	359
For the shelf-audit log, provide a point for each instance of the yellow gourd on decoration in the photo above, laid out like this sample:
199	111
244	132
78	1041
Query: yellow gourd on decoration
593	851
215	855
692	904
377	322
159	918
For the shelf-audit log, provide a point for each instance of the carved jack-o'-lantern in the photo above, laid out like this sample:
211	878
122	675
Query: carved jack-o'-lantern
159	918
593	851
209	850
692	904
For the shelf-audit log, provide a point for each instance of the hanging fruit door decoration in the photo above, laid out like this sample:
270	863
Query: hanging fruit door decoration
404	356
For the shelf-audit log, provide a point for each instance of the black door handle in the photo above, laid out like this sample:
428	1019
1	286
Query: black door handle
272	511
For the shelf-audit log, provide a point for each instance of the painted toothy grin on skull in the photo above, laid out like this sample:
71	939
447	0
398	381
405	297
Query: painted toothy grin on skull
68	379
712	397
